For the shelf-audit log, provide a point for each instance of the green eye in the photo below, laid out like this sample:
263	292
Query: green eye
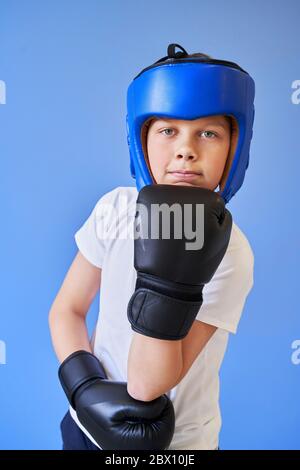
209	132
168	129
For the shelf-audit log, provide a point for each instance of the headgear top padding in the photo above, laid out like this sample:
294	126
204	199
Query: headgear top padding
180	87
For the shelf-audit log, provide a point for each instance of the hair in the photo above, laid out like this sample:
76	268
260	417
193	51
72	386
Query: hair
199	54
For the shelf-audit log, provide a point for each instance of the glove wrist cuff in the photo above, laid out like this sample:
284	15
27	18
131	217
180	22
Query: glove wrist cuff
169	288
77	369
160	316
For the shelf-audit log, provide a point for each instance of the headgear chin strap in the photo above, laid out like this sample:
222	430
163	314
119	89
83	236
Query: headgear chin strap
180	87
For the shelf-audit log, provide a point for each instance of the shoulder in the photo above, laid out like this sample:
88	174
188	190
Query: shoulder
238	262
118	196
115	208
239	246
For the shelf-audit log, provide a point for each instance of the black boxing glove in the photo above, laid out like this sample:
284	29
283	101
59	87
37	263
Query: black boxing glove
171	272
112	417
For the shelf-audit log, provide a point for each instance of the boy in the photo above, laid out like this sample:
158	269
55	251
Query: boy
206	149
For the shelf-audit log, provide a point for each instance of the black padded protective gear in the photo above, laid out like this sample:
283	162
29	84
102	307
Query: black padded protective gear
170	277
111	416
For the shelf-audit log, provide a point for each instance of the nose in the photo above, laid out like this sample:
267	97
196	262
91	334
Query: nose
186	154
187	147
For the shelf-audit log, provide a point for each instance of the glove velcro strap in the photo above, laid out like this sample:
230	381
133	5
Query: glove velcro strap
160	316
77	369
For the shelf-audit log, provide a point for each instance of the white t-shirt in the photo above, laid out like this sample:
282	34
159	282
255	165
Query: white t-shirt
103	241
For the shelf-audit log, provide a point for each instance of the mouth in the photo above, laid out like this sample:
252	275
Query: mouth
185	175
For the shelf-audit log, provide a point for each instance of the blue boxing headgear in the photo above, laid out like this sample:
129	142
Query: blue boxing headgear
180	87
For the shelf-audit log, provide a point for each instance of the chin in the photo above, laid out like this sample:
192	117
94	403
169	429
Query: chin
184	183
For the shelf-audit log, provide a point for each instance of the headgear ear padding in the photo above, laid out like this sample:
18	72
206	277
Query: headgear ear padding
144	140
234	133
181	87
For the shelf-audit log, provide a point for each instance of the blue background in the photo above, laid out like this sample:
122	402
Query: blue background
67	65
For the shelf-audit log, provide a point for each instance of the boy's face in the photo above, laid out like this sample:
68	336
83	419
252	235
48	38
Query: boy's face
190	153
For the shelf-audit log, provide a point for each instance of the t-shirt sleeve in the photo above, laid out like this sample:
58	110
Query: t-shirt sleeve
87	237
225	295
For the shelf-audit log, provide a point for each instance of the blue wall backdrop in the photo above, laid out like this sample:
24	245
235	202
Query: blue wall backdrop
64	70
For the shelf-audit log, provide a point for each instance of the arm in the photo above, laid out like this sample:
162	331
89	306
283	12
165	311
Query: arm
155	366
69	309
84	380
194	343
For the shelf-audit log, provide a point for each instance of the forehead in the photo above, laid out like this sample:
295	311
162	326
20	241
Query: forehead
220	120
